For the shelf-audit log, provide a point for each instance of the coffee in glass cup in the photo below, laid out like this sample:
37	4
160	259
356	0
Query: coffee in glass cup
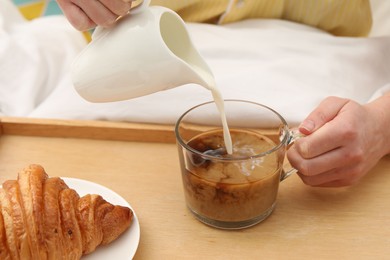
236	190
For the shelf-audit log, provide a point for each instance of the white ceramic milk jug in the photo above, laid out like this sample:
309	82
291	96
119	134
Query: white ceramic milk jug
147	51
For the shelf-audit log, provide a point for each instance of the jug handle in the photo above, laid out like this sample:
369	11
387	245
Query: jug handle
99	31
140	7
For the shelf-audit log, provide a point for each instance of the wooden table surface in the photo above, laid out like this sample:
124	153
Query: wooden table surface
308	223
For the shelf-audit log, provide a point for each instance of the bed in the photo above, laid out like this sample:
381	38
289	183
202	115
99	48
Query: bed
287	66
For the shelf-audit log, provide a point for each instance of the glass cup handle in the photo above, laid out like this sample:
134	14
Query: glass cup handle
294	134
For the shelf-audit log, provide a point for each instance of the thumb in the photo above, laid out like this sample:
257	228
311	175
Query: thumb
325	112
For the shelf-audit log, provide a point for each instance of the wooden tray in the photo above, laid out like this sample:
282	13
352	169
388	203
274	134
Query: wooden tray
140	162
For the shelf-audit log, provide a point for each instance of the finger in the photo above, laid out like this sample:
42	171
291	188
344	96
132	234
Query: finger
345	175
351	175
343	130
97	12
324	163
326	111
76	16
333	178
319	180
119	8
326	139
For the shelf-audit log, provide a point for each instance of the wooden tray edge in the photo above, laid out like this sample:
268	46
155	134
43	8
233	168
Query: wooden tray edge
87	129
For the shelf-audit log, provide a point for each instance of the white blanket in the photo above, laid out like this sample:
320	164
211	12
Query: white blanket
287	66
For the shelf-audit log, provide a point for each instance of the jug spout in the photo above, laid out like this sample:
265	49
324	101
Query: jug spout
200	74
177	39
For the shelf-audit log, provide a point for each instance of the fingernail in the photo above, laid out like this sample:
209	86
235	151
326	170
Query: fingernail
306	127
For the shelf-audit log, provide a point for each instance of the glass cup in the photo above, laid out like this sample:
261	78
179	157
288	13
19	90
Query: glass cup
238	190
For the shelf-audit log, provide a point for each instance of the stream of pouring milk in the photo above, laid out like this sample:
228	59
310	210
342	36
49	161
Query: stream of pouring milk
218	99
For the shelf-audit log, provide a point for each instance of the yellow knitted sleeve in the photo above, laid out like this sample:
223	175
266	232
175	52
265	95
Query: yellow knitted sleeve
339	17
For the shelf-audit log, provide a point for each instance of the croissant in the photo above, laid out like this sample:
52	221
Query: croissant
42	218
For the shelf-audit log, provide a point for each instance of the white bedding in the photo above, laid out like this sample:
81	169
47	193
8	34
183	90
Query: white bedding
287	66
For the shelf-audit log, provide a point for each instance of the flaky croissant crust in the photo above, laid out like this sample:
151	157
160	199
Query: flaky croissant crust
42	218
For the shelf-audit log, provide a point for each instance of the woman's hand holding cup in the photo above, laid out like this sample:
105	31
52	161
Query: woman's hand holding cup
344	141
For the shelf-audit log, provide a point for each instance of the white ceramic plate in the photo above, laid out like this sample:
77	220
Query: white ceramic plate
126	245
